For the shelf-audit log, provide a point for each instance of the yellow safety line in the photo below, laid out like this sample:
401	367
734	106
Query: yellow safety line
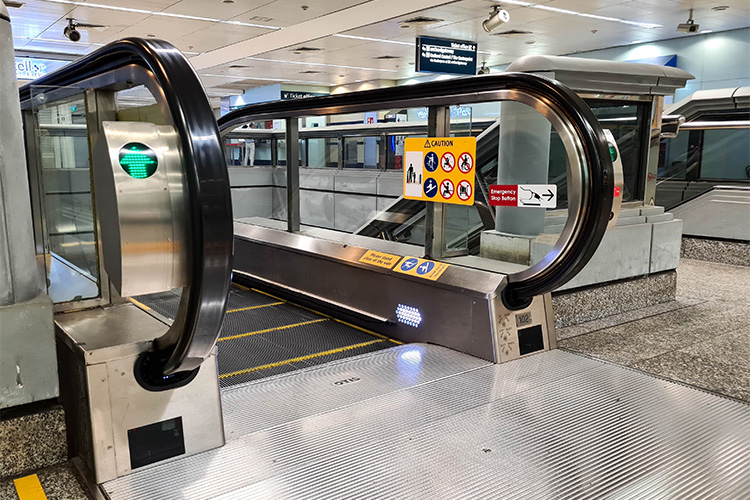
240	286
378	335
267	294
301	358
29	488
140	304
285	327
253	307
319	314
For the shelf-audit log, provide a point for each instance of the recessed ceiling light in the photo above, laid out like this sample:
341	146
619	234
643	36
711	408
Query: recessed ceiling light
160	13
151	35
719	8
419	21
530	5
706	31
530	42
227	1
357	81
304	63
637	41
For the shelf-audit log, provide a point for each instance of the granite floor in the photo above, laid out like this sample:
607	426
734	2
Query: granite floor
59	482
701	339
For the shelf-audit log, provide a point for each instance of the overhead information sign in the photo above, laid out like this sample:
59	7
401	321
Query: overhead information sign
380	259
524	195
440	55
440	169
421	268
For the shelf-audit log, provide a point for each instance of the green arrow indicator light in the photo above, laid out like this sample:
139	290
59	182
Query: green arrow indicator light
138	160
613	152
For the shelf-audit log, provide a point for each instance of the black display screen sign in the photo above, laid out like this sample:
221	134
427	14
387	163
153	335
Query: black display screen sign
439	55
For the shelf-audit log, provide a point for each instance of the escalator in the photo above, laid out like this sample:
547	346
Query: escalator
232	377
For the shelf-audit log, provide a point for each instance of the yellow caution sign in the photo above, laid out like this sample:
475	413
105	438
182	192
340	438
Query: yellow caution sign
422	268
440	169
380	259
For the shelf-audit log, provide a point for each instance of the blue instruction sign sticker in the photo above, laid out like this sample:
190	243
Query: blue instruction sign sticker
431	161
408	264
430	187
425	267
421	268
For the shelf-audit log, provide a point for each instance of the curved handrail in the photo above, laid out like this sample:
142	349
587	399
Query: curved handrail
581	234
195	330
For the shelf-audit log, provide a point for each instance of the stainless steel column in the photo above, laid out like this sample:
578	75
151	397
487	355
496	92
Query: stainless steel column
438	125
292	174
19	279
28	366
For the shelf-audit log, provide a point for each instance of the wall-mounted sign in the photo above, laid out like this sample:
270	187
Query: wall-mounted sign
287	95
524	195
440	169
439	55
30	69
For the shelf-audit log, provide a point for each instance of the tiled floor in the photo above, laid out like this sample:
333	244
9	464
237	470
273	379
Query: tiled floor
702	339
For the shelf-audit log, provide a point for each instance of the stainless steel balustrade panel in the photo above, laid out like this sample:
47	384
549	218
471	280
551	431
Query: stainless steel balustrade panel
553	425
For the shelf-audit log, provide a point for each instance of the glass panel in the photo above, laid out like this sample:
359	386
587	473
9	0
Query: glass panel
71	256
726	154
630	126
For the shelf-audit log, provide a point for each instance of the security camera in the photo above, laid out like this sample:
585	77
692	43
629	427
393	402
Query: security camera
497	17
689	26
484	69
70	31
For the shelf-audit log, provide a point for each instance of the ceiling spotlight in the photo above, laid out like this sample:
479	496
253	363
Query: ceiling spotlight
484	69
689	26
497	17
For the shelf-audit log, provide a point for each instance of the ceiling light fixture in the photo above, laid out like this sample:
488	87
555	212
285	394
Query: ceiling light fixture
530	5
321	64
719	8
396	42
498	17
158	13
243	78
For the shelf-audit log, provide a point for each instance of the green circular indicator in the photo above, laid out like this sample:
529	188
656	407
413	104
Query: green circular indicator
138	160
612	152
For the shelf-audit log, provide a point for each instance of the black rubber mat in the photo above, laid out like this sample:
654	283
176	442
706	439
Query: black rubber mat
264	336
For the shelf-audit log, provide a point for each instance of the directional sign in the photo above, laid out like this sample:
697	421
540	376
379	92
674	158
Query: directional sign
440	165
421	268
524	195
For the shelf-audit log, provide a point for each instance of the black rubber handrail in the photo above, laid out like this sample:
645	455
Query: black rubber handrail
196	328
565	260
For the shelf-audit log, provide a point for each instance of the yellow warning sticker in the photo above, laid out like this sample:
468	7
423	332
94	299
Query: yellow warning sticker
440	169
380	259
29	488
421	268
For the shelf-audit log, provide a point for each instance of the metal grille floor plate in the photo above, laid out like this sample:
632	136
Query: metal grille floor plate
426	422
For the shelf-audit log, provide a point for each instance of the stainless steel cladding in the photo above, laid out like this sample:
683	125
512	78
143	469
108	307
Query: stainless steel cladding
141	205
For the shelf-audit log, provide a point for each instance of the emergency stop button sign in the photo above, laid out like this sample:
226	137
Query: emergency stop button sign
523	195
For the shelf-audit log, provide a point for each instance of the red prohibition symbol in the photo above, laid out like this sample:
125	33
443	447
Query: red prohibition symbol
447	161
465	162
447	189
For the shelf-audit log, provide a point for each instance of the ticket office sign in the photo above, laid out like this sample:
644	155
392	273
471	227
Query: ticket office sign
440	169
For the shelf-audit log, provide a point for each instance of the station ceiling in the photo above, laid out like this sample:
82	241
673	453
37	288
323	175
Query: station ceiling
241	44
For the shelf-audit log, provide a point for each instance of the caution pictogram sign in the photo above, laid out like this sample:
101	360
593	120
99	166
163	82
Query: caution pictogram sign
440	169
